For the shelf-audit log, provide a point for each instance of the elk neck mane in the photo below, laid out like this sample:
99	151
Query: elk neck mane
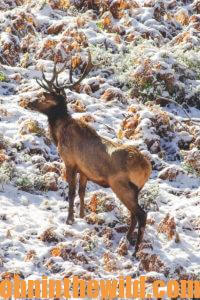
59	111
57	114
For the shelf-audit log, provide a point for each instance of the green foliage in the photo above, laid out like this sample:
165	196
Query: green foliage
190	169
40	184
24	183
190	59
7	169
100	25
2	77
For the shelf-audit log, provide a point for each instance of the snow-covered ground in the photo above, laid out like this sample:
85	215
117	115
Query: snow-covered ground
143	51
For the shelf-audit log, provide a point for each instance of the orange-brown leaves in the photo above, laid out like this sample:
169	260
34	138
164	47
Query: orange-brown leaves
107	21
75	61
87	119
56	251
117	7
3	157
31	126
93	203
59	4
168	227
170	173
129	125
49	236
100	203
192	159
30	255
112	94
109	262
151	262
122	248
182	17
55	28
10	48
48	44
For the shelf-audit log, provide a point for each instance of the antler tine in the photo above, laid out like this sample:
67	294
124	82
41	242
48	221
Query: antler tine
85	72
58	72
43	85
55	76
71	73
54	87
49	83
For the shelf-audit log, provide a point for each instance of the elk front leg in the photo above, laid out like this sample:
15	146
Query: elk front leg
71	174
81	192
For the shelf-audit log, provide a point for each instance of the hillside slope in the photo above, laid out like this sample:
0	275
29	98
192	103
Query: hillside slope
144	51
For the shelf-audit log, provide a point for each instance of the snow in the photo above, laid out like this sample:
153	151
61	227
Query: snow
26	214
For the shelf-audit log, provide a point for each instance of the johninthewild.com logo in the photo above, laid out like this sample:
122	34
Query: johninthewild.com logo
75	287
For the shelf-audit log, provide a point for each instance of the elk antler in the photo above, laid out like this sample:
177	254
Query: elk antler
85	72
53	86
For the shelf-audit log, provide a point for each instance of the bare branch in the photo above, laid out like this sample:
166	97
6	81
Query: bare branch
179	105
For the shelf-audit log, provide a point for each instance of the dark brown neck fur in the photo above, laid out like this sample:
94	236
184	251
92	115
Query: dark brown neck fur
56	116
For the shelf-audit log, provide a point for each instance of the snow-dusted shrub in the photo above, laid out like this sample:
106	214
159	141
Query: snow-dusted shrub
55	28
9	48
192	161
24	183
3	142
113	94
152	262
78	106
110	262
3	157
150	73
168	227
94	218
49	236
50	181
7	171
31	126
59	4
54	167
170	173
100	202
148	196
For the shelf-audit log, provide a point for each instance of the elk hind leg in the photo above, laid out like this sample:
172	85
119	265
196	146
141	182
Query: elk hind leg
129	198
81	192
141	217
131	229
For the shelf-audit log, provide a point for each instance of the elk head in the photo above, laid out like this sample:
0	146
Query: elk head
54	99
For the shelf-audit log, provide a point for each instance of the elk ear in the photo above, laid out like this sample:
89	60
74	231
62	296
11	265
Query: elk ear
50	98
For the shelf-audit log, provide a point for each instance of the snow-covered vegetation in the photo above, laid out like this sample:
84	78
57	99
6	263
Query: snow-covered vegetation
144	52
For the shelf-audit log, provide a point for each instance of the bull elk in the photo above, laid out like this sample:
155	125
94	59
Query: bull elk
121	167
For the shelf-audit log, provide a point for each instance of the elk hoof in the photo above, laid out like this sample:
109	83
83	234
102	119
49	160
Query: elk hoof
70	220
131	241
135	253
